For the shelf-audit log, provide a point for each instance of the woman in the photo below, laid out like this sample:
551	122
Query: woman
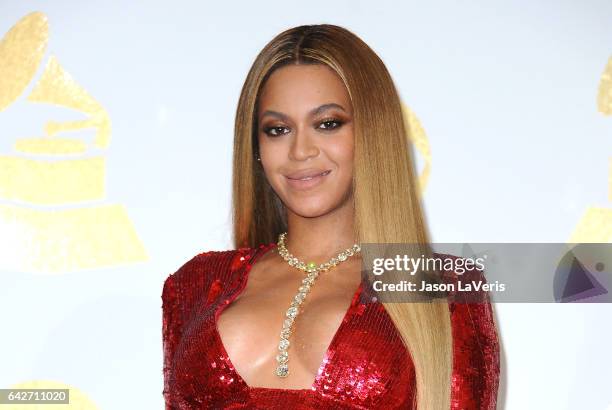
320	152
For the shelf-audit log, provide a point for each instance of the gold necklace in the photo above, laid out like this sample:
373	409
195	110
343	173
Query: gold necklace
282	369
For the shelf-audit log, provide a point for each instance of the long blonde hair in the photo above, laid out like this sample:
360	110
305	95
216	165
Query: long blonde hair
386	198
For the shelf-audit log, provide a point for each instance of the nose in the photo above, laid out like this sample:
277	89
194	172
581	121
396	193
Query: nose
303	146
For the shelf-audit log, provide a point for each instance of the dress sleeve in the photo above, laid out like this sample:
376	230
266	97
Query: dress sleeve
177	302
171	328
197	282
475	350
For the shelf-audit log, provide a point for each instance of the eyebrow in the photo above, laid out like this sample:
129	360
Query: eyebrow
312	112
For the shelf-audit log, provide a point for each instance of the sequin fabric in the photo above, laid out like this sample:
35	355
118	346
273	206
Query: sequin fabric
366	366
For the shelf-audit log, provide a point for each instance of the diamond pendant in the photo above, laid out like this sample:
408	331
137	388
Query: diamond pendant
282	369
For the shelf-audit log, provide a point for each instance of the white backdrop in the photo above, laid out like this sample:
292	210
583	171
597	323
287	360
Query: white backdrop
507	94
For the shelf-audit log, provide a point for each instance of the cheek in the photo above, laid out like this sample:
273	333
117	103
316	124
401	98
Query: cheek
273	157
343	155
271	152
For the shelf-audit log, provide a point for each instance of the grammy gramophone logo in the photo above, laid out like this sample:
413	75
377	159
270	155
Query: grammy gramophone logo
53	215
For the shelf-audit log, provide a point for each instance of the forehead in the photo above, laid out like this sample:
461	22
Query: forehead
302	87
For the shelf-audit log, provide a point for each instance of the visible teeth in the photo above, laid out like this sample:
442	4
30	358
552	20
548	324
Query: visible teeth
314	176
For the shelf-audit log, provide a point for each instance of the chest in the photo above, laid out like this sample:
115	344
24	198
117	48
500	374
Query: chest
365	362
249	330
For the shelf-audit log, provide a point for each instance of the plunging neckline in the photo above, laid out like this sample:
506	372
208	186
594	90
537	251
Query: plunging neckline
259	252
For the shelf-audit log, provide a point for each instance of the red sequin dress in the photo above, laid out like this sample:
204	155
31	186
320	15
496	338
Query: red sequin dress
365	367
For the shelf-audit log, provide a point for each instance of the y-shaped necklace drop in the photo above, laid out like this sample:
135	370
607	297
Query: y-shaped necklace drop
282	370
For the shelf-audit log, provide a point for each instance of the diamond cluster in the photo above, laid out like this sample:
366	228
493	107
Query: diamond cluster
282	369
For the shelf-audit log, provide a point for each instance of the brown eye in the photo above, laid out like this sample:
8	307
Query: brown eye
330	124
274	131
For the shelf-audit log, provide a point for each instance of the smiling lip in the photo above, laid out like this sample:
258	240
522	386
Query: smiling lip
307	179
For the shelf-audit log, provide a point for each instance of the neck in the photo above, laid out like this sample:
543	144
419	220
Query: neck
320	238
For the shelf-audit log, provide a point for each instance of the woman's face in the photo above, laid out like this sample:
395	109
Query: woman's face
305	134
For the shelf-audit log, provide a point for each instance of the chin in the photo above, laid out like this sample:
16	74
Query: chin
311	210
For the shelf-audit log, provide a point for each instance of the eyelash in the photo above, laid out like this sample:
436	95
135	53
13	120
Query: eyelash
326	120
